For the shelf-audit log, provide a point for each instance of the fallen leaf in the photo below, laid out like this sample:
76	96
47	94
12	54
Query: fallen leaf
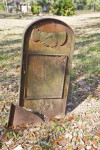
88	99
83	127
70	118
31	139
98	134
24	128
83	146
54	143
93	147
18	69
57	119
25	125
32	134
18	66
16	58
37	147
3	66
69	148
37	124
16	131
85	140
94	142
97	74
52	119
11	127
97	91
70	140
77	139
6	125
87	117
60	139
3	108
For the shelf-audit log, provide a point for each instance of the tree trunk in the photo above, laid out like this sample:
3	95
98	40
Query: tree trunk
94	7
5	5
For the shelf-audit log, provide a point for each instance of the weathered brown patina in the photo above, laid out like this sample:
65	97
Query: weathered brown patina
19	116
46	62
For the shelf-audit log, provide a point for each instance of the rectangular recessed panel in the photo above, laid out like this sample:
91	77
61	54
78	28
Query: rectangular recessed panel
45	76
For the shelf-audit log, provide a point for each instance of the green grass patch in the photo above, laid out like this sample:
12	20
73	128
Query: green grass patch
73	75
2	58
87	61
95	48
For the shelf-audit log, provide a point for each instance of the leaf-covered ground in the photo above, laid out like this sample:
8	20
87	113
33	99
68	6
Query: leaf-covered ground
79	129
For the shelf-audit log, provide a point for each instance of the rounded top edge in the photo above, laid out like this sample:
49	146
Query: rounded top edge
46	18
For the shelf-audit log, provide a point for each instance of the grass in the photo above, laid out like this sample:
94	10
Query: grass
86	63
95	48
85	74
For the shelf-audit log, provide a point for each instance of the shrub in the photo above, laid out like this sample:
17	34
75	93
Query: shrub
95	4
35	9
1	6
63	8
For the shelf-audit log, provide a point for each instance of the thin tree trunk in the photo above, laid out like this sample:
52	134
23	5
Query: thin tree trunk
94	7
6	6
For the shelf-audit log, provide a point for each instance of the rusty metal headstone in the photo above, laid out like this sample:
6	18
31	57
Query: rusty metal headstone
46	61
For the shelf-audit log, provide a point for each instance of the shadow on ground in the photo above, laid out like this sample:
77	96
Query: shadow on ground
19	15
85	77
80	91
88	40
10	42
81	88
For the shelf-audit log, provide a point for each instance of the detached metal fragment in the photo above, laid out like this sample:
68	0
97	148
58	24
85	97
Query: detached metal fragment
19	115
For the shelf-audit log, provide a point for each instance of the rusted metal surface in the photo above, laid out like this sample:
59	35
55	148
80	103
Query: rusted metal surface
45	76
46	62
49	39
19	116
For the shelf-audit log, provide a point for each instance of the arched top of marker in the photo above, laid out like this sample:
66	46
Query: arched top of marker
48	36
45	20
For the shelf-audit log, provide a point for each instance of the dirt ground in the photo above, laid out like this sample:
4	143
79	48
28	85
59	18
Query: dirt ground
84	92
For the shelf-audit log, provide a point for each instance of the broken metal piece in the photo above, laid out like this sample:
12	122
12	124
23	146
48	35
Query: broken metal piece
19	115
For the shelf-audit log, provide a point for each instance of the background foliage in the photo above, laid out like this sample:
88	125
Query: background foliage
1	6
94	3
57	7
64	7
35	9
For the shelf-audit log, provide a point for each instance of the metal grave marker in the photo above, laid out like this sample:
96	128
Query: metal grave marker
46	62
